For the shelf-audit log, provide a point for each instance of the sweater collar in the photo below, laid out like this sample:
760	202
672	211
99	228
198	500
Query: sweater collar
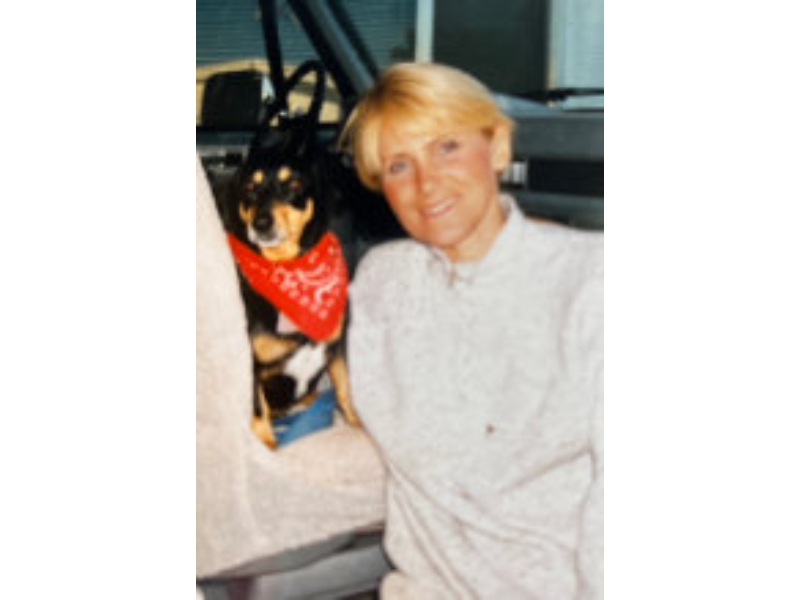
501	250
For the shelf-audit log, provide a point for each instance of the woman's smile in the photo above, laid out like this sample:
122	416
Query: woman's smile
438	209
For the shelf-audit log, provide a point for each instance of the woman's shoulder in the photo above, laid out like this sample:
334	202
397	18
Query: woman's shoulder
390	259
384	279
565	247
559	233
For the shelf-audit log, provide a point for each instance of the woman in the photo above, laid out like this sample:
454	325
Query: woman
476	355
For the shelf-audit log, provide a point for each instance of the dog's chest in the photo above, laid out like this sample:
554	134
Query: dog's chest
305	365
306	362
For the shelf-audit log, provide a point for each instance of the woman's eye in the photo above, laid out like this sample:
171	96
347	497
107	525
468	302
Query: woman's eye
447	146
397	166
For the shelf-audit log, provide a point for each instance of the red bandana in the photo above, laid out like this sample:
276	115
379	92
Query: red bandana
311	290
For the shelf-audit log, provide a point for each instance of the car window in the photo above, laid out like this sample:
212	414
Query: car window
542	58
230	38
549	52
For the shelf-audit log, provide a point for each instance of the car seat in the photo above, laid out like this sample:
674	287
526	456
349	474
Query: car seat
302	522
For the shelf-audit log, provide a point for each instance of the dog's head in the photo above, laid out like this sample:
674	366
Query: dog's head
276	209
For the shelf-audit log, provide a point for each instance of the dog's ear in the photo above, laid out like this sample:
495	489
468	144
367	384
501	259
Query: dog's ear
227	204
231	195
317	226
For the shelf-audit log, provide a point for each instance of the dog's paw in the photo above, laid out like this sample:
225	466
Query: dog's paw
263	430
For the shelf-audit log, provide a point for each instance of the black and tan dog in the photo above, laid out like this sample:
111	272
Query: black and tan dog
294	284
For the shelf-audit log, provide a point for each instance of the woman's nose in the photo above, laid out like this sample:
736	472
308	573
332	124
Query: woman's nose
426	178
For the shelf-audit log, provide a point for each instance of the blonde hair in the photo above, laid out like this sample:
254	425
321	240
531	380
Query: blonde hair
427	98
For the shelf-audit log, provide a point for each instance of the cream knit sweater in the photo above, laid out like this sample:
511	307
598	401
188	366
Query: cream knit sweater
482	385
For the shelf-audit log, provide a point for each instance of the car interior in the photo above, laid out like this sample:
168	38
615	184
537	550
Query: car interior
306	521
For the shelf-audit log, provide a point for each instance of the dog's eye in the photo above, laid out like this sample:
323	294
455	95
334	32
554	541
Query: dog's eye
300	202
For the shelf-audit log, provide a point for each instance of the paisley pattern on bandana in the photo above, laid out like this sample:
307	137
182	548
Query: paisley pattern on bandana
310	290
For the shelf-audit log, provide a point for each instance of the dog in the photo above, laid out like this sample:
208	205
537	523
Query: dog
294	281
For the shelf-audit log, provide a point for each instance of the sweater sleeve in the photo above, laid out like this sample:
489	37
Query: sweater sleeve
368	320
590	550
591	543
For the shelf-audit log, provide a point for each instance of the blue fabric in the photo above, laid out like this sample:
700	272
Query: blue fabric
318	415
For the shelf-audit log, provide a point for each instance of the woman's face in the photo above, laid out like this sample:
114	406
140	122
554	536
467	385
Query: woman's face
443	188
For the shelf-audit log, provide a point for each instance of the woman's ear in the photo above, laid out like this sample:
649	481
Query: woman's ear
501	147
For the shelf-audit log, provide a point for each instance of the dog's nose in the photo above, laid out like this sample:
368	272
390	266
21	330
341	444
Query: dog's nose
263	221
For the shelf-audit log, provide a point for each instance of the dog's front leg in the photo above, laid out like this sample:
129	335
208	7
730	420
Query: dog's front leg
337	370
261	423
